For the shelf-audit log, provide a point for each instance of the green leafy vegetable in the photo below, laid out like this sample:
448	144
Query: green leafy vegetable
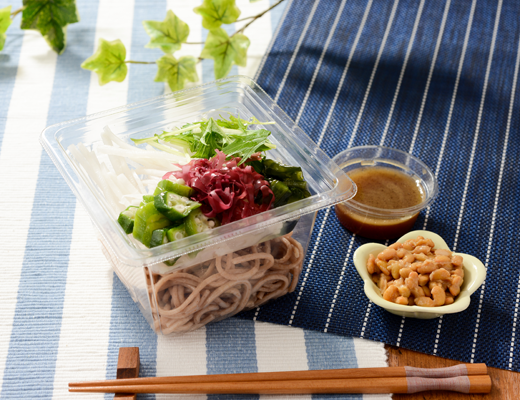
108	61
5	21
168	34
246	145
217	12
176	72
233	123
239	123
202	138
225	51
51	18
213	137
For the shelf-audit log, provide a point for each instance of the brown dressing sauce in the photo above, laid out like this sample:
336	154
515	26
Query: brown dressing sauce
384	188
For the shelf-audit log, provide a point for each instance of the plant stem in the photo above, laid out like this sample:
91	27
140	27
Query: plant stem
139	62
16	12
254	18
193	43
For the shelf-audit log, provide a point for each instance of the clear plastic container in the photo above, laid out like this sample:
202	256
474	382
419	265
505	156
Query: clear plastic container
208	281
384	223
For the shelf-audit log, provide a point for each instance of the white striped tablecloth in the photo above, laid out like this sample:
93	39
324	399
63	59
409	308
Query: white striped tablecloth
63	312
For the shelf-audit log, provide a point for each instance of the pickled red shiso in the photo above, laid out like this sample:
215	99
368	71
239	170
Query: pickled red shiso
226	190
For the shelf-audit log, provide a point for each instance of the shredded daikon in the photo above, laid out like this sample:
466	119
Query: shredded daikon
123	172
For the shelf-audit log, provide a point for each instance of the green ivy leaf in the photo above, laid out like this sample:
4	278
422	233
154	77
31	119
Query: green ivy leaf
176	72
168	34
5	21
108	61
225	51
217	12
51	18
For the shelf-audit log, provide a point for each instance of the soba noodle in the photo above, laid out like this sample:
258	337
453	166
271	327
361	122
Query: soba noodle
185	300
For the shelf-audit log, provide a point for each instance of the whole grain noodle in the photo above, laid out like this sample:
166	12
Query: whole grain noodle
185	300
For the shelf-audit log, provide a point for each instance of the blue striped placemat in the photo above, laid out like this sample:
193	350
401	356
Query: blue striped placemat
438	79
63	312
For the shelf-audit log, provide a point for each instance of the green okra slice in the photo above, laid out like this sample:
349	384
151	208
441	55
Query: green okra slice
197	222
159	237
147	220
173	206
177	233
126	219
168	186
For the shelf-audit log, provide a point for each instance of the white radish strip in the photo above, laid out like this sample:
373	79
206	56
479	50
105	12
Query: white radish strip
182	159
80	160
133	199
140	185
119	163
151	184
146	158
116	187
119	160
149	171
178	159
94	170
168	149
129	174
133	164
157	164
115	161
148	182
116	140
93	162
185	149
150	163
112	190
136	153
84	164
126	186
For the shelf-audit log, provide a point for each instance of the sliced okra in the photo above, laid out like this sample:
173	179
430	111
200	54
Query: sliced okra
173	206
126	219
168	186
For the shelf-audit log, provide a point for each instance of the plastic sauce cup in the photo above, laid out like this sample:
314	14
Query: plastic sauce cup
378	223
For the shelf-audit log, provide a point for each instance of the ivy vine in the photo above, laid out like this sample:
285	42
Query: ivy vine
51	17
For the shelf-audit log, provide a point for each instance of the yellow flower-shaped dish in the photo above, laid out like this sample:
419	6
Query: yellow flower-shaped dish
474	275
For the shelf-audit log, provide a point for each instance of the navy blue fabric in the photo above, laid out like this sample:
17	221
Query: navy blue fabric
457	108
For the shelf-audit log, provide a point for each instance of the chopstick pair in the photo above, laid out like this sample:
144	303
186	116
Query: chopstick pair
464	378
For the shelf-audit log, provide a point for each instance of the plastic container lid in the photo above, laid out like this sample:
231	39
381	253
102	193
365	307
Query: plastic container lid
238	95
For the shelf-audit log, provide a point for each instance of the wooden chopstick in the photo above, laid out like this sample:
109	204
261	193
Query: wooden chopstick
353	373
464	384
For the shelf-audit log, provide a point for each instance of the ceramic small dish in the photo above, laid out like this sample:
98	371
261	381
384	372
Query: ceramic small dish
474	275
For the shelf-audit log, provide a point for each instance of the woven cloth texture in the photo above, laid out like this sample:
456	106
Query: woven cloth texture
63	312
437	79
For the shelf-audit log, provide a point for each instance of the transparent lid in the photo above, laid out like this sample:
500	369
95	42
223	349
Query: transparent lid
238	95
